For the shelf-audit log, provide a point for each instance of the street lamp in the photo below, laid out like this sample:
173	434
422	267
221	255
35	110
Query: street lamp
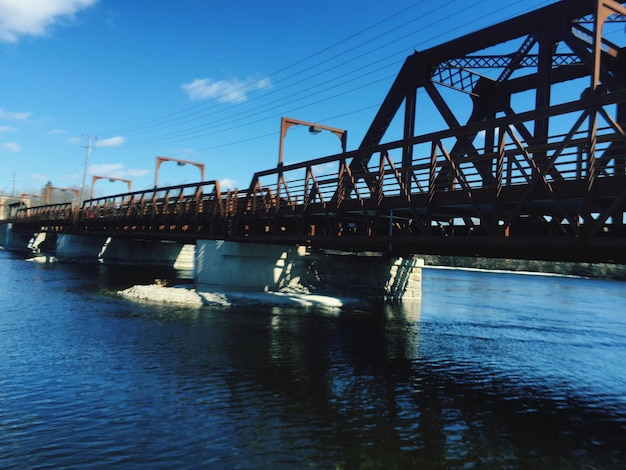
286	123
160	160
24	196
95	178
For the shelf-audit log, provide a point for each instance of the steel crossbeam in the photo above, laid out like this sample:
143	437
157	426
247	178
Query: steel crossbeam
535	169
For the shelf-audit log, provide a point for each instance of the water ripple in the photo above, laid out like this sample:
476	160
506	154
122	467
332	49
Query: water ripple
476	376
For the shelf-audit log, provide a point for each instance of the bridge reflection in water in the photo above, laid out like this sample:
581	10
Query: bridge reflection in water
477	376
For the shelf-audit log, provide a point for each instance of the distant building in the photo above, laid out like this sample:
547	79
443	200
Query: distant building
5	201
10	204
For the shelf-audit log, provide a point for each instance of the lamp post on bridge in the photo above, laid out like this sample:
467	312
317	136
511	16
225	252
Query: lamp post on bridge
160	160
95	178
24	196
286	123
50	188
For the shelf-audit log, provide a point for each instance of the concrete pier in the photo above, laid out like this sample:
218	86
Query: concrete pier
79	248
5	230
148	252
231	266
369	276
226	266
109	250
27	242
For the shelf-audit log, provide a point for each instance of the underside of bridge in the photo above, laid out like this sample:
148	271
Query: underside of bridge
511	144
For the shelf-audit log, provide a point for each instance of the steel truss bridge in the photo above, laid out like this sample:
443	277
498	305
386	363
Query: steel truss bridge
532	165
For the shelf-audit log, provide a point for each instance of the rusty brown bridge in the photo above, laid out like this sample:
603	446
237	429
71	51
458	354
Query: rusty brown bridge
535	169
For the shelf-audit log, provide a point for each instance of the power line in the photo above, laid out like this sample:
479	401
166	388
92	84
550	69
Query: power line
87	152
235	118
281	70
216	120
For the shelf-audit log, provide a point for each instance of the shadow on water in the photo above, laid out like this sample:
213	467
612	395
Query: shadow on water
90	380
109	276
359	390
121	276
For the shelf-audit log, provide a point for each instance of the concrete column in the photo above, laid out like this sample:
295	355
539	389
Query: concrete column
368	276
83	248
4	234
18	240
110	250
231	266
146	252
43	242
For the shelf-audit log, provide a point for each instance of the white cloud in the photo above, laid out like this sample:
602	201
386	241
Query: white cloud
482	134
137	172
4	129
12	146
35	17
10	115
116	170
57	131
227	183
105	168
110	142
325	169
224	91
39	177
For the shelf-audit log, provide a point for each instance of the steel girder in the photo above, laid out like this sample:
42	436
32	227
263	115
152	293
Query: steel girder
453	64
535	169
518	66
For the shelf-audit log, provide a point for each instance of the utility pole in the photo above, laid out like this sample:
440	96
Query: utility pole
13	190
82	188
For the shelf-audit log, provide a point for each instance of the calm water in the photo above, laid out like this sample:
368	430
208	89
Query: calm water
489	371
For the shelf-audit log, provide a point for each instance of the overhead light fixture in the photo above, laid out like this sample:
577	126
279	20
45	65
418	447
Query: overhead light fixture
315	129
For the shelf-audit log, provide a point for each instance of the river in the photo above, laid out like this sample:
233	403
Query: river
489	370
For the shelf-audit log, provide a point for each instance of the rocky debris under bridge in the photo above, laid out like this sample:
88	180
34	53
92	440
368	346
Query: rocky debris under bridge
190	297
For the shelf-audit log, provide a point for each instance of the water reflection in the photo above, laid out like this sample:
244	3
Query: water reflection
483	377
358	388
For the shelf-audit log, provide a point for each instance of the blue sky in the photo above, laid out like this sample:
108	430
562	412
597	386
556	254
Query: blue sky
200	80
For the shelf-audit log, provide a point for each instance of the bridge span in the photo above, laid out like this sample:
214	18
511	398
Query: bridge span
537	170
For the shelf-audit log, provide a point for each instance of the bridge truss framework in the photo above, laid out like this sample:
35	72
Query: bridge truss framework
535	169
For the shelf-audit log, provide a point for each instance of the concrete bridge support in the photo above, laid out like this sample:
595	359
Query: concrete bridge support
26	241
81	248
4	234
245	267
368	275
18	241
109	250
231	266
242	267
148	252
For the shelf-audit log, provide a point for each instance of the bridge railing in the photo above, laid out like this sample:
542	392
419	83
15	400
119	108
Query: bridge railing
436	170
154	209
459	159
49	216
486	156
131	209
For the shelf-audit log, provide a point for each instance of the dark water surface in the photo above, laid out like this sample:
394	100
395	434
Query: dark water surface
491	370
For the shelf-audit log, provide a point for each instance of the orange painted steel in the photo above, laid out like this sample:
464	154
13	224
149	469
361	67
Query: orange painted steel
547	181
